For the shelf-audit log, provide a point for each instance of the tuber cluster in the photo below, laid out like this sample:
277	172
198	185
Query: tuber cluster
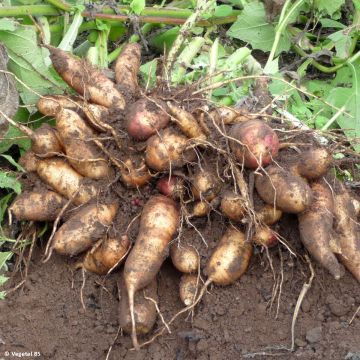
115	146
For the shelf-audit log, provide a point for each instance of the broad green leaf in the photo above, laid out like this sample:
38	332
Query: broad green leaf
148	72
137	6
27	63
7	25
330	23
163	41
330	6
4	256
223	10
3	279
13	162
342	41
251	26
8	181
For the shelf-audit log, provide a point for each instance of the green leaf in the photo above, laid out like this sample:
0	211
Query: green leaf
329	6
13	163
4	256
4	201
137	6
7	25
148	71
9	181
330	23
27	63
342	41
251	26
223	10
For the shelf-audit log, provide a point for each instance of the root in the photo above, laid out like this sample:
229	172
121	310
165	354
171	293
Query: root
158	311
190	307
354	316
82	288
131	294
50	247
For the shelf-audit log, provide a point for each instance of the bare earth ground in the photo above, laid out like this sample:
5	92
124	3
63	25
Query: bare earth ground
232	322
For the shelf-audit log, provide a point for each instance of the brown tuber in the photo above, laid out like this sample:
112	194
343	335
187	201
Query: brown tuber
167	150
83	229
254	143
287	192
172	187
265	236
205	185
185	258
44	205
158	224
144	309
145	118
188	288
232	206
106	254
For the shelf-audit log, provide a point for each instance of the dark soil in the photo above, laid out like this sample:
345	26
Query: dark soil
236	321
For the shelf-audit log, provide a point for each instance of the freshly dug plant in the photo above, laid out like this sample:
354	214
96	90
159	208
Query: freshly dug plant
83	229
65	180
268	214
135	175
83	155
51	105
232	206
96	115
84	78
313	164
289	193
347	232
28	161
188	288
167	150
45	141
158	224
205	185
145	118
254	143
265	236
44	205
172	187
184	257
186	122
230	258
106	254
144	311
127	67
315	225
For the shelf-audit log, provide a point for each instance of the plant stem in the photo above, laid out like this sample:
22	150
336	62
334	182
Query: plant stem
281	26
150	15
317	65
34	10
59	4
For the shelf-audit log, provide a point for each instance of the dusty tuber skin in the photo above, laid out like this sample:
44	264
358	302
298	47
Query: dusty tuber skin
230	258
167	150
312	164
232	206
106	254
42	205
257	143
188	288
158	224
51	105
186	122
134	176
145	118
83	229
289	193
127	67
185	258
265	236
205	185
347	232
144	309
28	161
315	225
269	215
88	81
65	180
46	141
172	187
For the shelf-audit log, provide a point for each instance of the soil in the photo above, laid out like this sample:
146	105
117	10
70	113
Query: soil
237	321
